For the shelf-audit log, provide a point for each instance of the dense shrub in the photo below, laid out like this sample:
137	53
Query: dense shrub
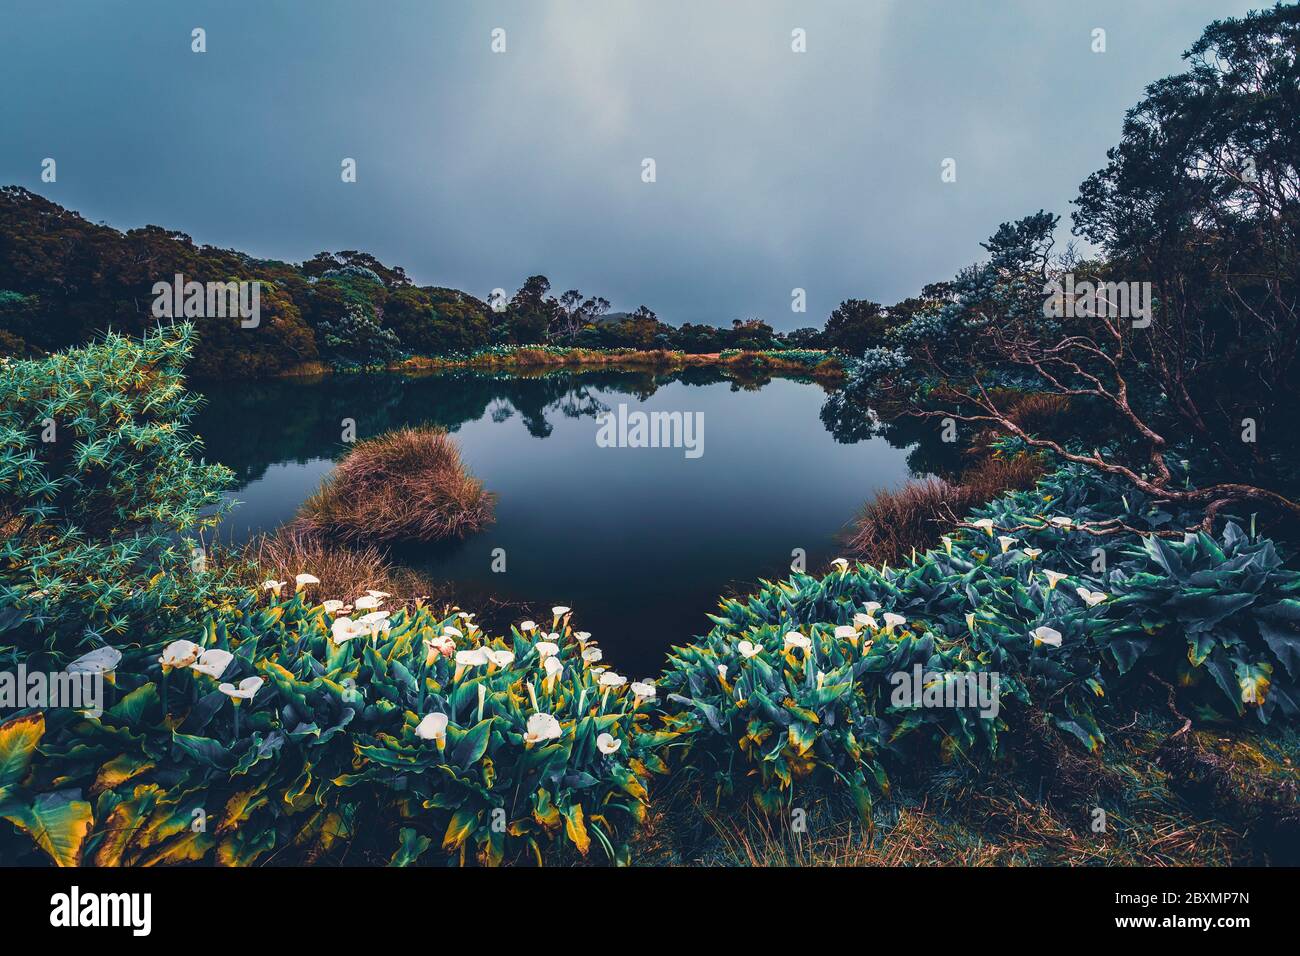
408	484
101	498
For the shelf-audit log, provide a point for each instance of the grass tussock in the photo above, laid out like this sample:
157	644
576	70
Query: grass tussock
344	572
916	515
407	485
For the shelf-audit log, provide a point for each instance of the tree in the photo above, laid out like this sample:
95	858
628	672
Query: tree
855	326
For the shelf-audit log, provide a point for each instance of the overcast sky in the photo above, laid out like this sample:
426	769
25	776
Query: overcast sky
775	169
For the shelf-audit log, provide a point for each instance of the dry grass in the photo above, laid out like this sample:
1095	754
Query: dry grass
344	572
407	485
916	515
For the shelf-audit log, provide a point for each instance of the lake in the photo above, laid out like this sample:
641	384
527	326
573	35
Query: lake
640	541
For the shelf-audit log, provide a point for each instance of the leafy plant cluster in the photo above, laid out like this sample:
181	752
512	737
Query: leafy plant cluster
289	726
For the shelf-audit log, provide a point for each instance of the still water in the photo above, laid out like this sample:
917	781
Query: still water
641	542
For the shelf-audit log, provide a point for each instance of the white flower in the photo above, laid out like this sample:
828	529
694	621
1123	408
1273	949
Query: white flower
102	660
894	620
1252	689
246	689
542	727
1053	578
527	626
442	644
345	629
1046	635
846	631
452	632
465	615
1091	598
795	639
582	636
986	524
302	580
1006	541
475	657
842	564
499	658
560	610
432	727
947	544
610	679
374	617
378	594
546	649
367	603
1032	552
333	607
864	620
643	690
213	662
607	743
179	654
553	667
748	650
592	654
970	620
722	672
272	585
872	606
1062	522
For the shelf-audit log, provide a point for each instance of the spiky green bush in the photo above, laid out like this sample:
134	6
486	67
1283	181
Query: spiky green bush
101	495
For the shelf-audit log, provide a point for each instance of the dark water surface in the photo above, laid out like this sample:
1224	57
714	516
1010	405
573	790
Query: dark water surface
641	542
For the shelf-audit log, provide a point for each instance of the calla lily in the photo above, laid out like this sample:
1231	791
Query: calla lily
465	615
432	727
442	645
333	607
608	744
345	629
302	580
475	657
452	632
643	690
499	658
213	662
722	672
970	621
748	650
560	610
842	564
1053	578
374	617
947	544
179	654
1046	635
1006	541
1033	553
846	632
274	586
795	639
592	654
367	603
546	649
526	626
1091	598
582	636
247	688
986	524
542	727
610	679
102	660
1062	522
894	620
872	606
553	669
378	594
863	620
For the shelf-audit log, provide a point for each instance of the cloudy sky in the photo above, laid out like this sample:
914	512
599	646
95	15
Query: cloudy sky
775	169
